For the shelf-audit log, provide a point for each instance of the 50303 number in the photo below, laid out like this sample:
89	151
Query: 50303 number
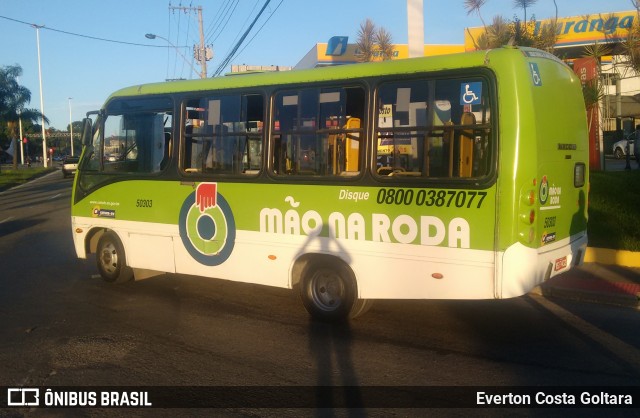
144	203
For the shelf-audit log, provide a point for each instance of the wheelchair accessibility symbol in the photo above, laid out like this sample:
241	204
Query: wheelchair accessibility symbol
535	74
470	93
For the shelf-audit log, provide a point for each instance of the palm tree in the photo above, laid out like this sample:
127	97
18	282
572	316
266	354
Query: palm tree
373	42
523	4
497	34
385	43
501	31
631	44
366	41
475	6
13	98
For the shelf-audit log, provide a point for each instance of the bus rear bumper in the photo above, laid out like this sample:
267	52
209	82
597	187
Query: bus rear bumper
521	268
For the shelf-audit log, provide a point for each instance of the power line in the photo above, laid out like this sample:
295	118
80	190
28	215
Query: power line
95	38
219	15
234	51
244	24
221	29
260	28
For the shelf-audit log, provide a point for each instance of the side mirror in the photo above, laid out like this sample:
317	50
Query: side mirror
87	130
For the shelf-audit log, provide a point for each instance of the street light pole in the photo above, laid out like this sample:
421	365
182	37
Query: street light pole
21	143
154	36
44	134
71	126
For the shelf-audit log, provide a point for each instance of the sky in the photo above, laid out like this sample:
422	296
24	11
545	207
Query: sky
90	48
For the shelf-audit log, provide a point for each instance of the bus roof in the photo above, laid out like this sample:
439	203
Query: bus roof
339	72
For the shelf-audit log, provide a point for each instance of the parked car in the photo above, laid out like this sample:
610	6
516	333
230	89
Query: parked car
69	165
620	147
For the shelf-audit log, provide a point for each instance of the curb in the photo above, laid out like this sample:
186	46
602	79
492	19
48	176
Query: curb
609	256
598	283
583	295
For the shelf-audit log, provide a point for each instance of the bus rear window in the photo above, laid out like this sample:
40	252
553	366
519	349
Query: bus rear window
436	128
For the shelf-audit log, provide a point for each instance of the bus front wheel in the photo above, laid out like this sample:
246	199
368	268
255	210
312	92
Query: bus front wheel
329	293
111	260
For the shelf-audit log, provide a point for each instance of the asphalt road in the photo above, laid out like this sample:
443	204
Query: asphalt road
61	325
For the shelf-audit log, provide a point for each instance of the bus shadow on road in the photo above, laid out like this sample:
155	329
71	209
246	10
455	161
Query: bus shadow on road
15	225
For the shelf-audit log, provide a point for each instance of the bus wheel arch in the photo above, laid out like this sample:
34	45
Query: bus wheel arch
328	288
111	259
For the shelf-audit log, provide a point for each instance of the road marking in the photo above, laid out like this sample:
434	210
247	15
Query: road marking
626	352
53	197
7	219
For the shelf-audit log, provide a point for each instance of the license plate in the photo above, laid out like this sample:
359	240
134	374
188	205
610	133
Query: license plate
561	263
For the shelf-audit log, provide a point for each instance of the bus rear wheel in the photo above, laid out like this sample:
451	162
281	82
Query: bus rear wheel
329	293
111	261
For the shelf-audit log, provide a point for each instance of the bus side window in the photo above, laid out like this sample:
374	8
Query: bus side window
317	132
223	134
136	142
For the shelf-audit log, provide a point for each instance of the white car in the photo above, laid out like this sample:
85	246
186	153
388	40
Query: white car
620	148
69	165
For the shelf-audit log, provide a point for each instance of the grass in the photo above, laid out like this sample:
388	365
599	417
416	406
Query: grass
10	177
614	210
614	205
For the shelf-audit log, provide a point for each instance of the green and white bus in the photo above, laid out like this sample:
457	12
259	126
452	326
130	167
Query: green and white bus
452	177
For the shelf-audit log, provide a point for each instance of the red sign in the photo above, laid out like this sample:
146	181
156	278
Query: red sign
561	263
587	71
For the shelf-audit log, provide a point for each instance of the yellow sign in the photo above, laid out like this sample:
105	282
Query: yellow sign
576	30
400	51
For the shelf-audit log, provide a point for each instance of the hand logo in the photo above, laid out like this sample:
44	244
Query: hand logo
206	194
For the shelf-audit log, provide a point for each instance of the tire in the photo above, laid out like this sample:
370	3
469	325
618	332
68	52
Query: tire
111	260
360	307
328	291
618	154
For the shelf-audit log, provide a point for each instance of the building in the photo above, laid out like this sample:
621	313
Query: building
338	51
619	110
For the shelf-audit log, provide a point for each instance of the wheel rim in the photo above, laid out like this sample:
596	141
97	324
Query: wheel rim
327	290
109	258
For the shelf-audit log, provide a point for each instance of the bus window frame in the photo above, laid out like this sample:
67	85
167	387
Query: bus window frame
182	100
364	130
98	127
489	79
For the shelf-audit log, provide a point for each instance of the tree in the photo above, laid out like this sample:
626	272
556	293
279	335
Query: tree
373	42
366	41
523	4
631	44
13	98
385	44
516	32
475	6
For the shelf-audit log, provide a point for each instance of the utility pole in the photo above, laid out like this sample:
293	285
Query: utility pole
44	132
201	53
